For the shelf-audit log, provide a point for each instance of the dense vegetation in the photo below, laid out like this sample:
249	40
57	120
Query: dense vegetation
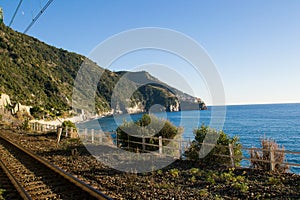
221	147
147	126
42	76
34	73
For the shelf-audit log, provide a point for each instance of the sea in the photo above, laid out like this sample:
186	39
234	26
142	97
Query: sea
251	123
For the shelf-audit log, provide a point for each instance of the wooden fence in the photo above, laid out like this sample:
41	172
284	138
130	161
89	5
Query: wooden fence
175	147
38	127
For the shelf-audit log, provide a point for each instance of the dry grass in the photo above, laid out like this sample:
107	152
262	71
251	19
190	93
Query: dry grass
261	159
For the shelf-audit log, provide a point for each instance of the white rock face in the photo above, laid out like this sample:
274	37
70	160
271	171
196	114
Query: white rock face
21	108
4	100
137	108
175	107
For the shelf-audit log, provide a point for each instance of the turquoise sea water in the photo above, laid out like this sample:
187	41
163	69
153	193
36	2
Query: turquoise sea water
280	122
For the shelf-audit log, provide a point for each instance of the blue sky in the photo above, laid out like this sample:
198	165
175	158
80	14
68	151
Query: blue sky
255	45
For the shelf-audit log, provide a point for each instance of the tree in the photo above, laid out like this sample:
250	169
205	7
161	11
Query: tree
130	134
221	147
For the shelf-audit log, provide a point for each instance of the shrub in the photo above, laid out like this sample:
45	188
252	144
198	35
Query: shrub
261	159
204	193
69	124
130	133
194	170
25	125
274	181
237	182
2	192
221	147
37	112
174	172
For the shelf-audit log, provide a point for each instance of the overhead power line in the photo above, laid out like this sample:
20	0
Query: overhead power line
38	15
12	19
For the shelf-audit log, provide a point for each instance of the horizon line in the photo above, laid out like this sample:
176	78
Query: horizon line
259	103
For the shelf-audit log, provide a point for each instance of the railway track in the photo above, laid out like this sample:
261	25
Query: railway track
33	177
8	186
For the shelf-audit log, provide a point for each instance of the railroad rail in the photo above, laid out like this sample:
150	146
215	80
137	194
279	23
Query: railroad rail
34	177
10	188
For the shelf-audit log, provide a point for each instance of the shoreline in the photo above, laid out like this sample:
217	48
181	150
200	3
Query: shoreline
75	119
82	118
59	121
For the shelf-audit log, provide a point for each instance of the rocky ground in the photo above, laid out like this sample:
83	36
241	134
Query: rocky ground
181	180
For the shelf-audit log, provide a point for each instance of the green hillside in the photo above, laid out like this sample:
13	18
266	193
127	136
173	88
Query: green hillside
39	75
